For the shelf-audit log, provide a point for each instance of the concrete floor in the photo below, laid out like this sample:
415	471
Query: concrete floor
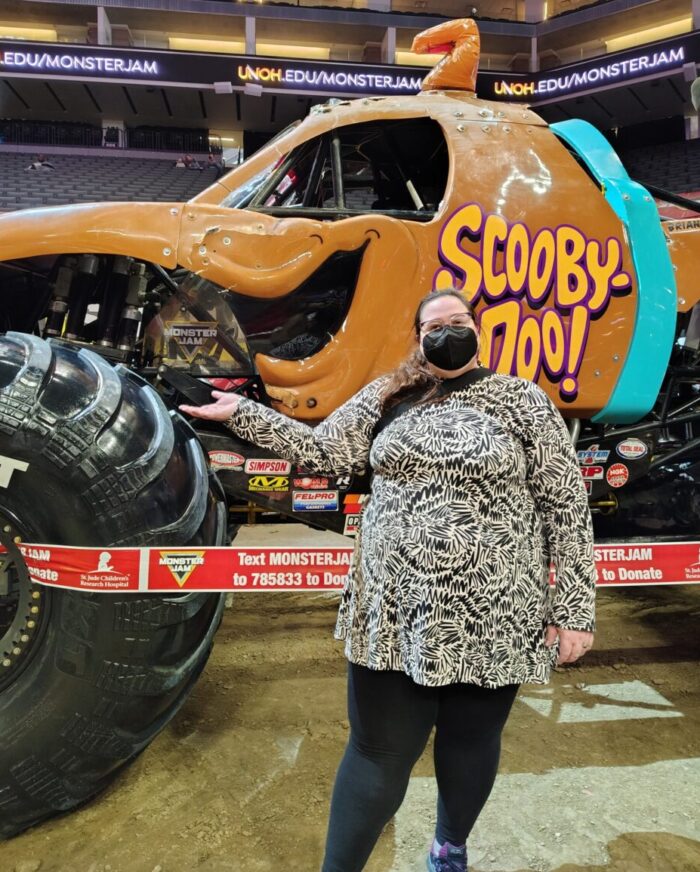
600	770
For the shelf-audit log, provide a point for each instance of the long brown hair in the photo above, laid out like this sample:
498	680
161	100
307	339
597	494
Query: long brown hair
413	373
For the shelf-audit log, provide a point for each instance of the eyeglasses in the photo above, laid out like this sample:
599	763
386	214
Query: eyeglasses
461	320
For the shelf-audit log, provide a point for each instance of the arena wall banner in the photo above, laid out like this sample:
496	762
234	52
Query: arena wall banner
238	568
279	75
616	68
195	69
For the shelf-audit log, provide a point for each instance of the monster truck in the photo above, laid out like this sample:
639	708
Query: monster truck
294	279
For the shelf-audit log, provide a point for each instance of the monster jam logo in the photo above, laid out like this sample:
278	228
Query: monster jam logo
181	563
187	339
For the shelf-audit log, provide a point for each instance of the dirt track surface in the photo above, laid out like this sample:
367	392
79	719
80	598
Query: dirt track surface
600	772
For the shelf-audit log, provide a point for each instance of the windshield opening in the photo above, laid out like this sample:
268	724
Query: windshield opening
241	196
397	167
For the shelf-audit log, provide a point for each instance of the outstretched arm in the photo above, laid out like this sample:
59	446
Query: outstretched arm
340	444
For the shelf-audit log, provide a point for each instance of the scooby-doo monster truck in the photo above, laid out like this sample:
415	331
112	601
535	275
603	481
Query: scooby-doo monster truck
295	278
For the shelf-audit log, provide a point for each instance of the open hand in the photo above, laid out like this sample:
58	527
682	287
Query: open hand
225	405
572	643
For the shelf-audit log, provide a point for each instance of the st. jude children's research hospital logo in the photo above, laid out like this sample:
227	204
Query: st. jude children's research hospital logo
105	574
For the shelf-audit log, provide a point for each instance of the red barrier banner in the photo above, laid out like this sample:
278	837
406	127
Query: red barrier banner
120	570
187	569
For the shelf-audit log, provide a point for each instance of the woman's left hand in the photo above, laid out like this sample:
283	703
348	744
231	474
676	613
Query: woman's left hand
572	643
221	410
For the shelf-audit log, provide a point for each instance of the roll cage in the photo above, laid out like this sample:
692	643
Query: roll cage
397	168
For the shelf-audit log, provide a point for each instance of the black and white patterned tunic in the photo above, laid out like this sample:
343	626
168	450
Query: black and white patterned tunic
470	499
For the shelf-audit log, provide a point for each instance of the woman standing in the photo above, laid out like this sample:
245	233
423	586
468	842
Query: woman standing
447	608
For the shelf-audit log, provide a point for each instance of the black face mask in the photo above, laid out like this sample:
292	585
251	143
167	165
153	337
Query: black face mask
450	348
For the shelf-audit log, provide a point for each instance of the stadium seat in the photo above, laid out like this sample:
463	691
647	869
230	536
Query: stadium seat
81	179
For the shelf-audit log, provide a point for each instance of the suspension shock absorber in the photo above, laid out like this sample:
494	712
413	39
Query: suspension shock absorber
131	313
59	298
113	301
81	293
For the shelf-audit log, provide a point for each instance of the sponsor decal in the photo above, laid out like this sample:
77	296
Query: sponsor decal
592	455
688	224
352	522
268	483
310	483
315	501
181	563
352	503
265	466
632	449
8	465
617	475
592	472
189	338
221	459
342	482
560	271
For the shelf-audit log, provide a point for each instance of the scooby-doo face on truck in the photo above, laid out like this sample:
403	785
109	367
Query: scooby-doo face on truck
319	247
343	224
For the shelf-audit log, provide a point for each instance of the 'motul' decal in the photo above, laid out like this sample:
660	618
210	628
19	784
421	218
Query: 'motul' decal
559	270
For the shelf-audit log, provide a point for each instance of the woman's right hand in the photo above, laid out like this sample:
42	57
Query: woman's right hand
225	406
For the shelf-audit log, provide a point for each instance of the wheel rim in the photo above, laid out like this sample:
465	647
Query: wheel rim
23	606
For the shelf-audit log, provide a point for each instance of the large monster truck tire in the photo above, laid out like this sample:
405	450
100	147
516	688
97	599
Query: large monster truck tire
89	455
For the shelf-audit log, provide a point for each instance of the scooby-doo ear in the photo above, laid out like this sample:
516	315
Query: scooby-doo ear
459	41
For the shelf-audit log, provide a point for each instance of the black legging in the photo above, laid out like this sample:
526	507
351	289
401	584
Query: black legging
391	718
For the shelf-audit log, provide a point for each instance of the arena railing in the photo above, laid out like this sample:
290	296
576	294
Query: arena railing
80	135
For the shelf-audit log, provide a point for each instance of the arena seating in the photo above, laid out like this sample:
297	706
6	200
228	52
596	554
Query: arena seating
674	166
77	134
38	133
82	179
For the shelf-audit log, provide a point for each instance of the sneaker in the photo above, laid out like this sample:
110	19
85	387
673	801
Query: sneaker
450	859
